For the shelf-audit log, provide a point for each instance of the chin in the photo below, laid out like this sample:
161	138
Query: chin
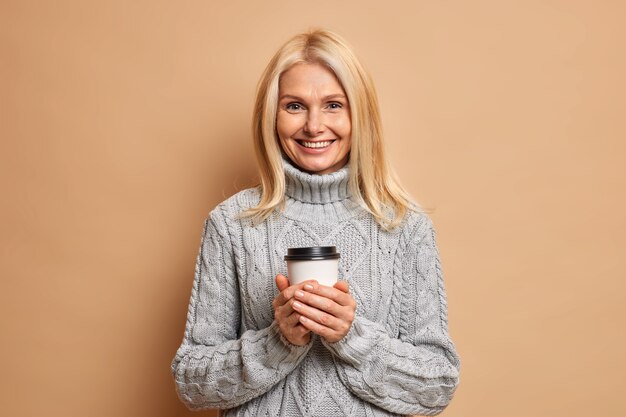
319	168
315	165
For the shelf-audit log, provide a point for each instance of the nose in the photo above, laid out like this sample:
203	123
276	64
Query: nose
314	124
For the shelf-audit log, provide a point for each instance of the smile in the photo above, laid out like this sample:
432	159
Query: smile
316	145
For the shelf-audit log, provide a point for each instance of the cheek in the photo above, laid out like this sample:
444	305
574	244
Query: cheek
345	126
347	145
287	125
280	126
284	130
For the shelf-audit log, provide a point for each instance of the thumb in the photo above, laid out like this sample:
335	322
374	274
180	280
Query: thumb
342	286
281	282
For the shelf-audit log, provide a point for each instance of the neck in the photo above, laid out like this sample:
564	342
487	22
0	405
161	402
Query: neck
318	198
316	189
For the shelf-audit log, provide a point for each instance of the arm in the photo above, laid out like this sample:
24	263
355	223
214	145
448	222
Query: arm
418	372
214	367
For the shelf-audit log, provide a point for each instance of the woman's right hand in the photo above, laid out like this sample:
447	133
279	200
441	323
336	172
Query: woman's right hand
287	318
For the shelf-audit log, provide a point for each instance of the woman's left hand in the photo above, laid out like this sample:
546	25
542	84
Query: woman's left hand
326	311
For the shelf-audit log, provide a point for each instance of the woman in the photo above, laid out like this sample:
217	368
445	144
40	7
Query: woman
375	344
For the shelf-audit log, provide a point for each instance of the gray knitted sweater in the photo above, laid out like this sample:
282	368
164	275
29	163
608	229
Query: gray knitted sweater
397	358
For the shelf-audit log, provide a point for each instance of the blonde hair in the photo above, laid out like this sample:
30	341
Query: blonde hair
373	185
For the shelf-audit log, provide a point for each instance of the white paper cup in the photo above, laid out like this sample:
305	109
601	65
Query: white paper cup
320	263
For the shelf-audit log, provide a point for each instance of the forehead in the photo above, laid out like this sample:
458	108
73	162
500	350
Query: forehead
307	77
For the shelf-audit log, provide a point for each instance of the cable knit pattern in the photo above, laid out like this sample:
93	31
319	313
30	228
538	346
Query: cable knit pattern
397	358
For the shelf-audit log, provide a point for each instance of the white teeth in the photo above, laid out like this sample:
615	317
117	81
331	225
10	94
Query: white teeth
316	144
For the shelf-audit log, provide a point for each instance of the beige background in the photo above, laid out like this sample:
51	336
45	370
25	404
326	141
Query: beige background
123	123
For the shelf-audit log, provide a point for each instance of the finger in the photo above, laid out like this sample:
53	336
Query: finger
313	326
281	282
293	320
292	329
321	303
342	286
284	311
338	296
320	317
283	296
289	321
287	294
301	331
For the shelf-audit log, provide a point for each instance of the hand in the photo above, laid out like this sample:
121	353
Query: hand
326	311
289	320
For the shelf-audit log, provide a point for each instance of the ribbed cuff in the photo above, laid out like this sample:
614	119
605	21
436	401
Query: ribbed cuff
280	350
359	344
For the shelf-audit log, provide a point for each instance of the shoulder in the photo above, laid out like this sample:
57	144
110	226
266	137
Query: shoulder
233	206
417	226
225	217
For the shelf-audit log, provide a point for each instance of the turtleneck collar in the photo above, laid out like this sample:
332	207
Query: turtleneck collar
314	198
316	189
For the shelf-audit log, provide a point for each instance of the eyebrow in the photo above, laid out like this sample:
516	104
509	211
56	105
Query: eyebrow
329	97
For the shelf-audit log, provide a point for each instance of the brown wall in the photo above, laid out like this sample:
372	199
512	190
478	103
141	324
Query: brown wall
123	123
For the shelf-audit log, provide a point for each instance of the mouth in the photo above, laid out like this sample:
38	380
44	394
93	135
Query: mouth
315	144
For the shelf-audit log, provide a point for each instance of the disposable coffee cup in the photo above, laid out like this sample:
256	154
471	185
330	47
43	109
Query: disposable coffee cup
320	263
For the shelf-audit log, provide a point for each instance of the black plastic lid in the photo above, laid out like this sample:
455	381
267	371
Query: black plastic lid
315	253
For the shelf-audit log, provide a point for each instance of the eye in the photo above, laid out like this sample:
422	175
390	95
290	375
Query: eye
335	105
294	107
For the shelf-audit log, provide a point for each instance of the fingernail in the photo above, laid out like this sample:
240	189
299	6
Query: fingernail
297	305
299	294
308	287
303	319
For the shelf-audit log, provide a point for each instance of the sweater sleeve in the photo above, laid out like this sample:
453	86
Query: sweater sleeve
418	372
215	367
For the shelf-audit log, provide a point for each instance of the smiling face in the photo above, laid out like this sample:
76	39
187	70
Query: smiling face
313	119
